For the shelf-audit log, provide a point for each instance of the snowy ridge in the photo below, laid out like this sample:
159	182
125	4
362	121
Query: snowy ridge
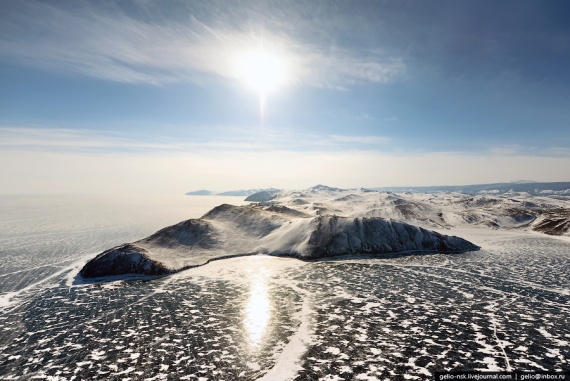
228	231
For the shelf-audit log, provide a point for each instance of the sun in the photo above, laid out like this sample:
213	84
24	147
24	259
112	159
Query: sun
262	71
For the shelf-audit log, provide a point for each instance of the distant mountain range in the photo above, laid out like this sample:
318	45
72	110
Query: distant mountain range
534	188
521	186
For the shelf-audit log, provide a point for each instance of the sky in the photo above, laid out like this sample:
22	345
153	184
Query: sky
171	96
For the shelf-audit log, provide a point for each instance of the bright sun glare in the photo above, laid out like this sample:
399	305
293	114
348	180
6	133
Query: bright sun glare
257	311
262	71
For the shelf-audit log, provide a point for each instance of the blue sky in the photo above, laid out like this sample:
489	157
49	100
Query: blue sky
143	96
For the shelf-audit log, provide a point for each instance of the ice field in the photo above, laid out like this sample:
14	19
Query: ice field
505	307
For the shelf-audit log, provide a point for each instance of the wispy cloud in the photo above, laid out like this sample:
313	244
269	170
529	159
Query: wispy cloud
231	139
518	149
57	139
222	139
115	46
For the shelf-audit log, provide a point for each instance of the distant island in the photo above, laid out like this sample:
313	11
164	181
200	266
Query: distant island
241	192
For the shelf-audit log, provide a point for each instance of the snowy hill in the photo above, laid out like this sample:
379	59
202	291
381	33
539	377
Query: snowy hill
271	229
322	222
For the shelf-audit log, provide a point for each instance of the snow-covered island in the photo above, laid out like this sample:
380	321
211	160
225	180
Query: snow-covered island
322	222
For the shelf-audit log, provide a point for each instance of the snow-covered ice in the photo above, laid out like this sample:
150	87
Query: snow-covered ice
262	317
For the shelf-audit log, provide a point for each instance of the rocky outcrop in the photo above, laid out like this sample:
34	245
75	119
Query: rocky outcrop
553	225
121	260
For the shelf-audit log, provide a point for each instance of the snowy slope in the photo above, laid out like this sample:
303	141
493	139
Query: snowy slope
546	214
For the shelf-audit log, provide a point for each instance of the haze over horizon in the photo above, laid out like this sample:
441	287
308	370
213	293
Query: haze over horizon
173	96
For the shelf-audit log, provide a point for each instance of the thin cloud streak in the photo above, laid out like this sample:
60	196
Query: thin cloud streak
116	47
227	139
231	139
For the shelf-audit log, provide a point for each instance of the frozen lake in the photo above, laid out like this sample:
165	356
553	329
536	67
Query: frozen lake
505	307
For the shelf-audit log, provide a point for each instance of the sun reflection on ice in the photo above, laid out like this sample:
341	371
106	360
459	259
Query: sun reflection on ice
257	310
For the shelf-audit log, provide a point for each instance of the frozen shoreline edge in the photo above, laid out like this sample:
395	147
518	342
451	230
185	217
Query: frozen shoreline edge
79	279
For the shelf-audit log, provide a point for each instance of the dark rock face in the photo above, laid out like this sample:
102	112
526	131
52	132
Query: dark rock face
553	226
124	259
334	236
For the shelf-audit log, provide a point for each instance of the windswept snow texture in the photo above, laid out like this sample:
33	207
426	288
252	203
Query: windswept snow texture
228	231
549	214
506	306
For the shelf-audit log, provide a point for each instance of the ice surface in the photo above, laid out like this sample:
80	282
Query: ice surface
356	318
